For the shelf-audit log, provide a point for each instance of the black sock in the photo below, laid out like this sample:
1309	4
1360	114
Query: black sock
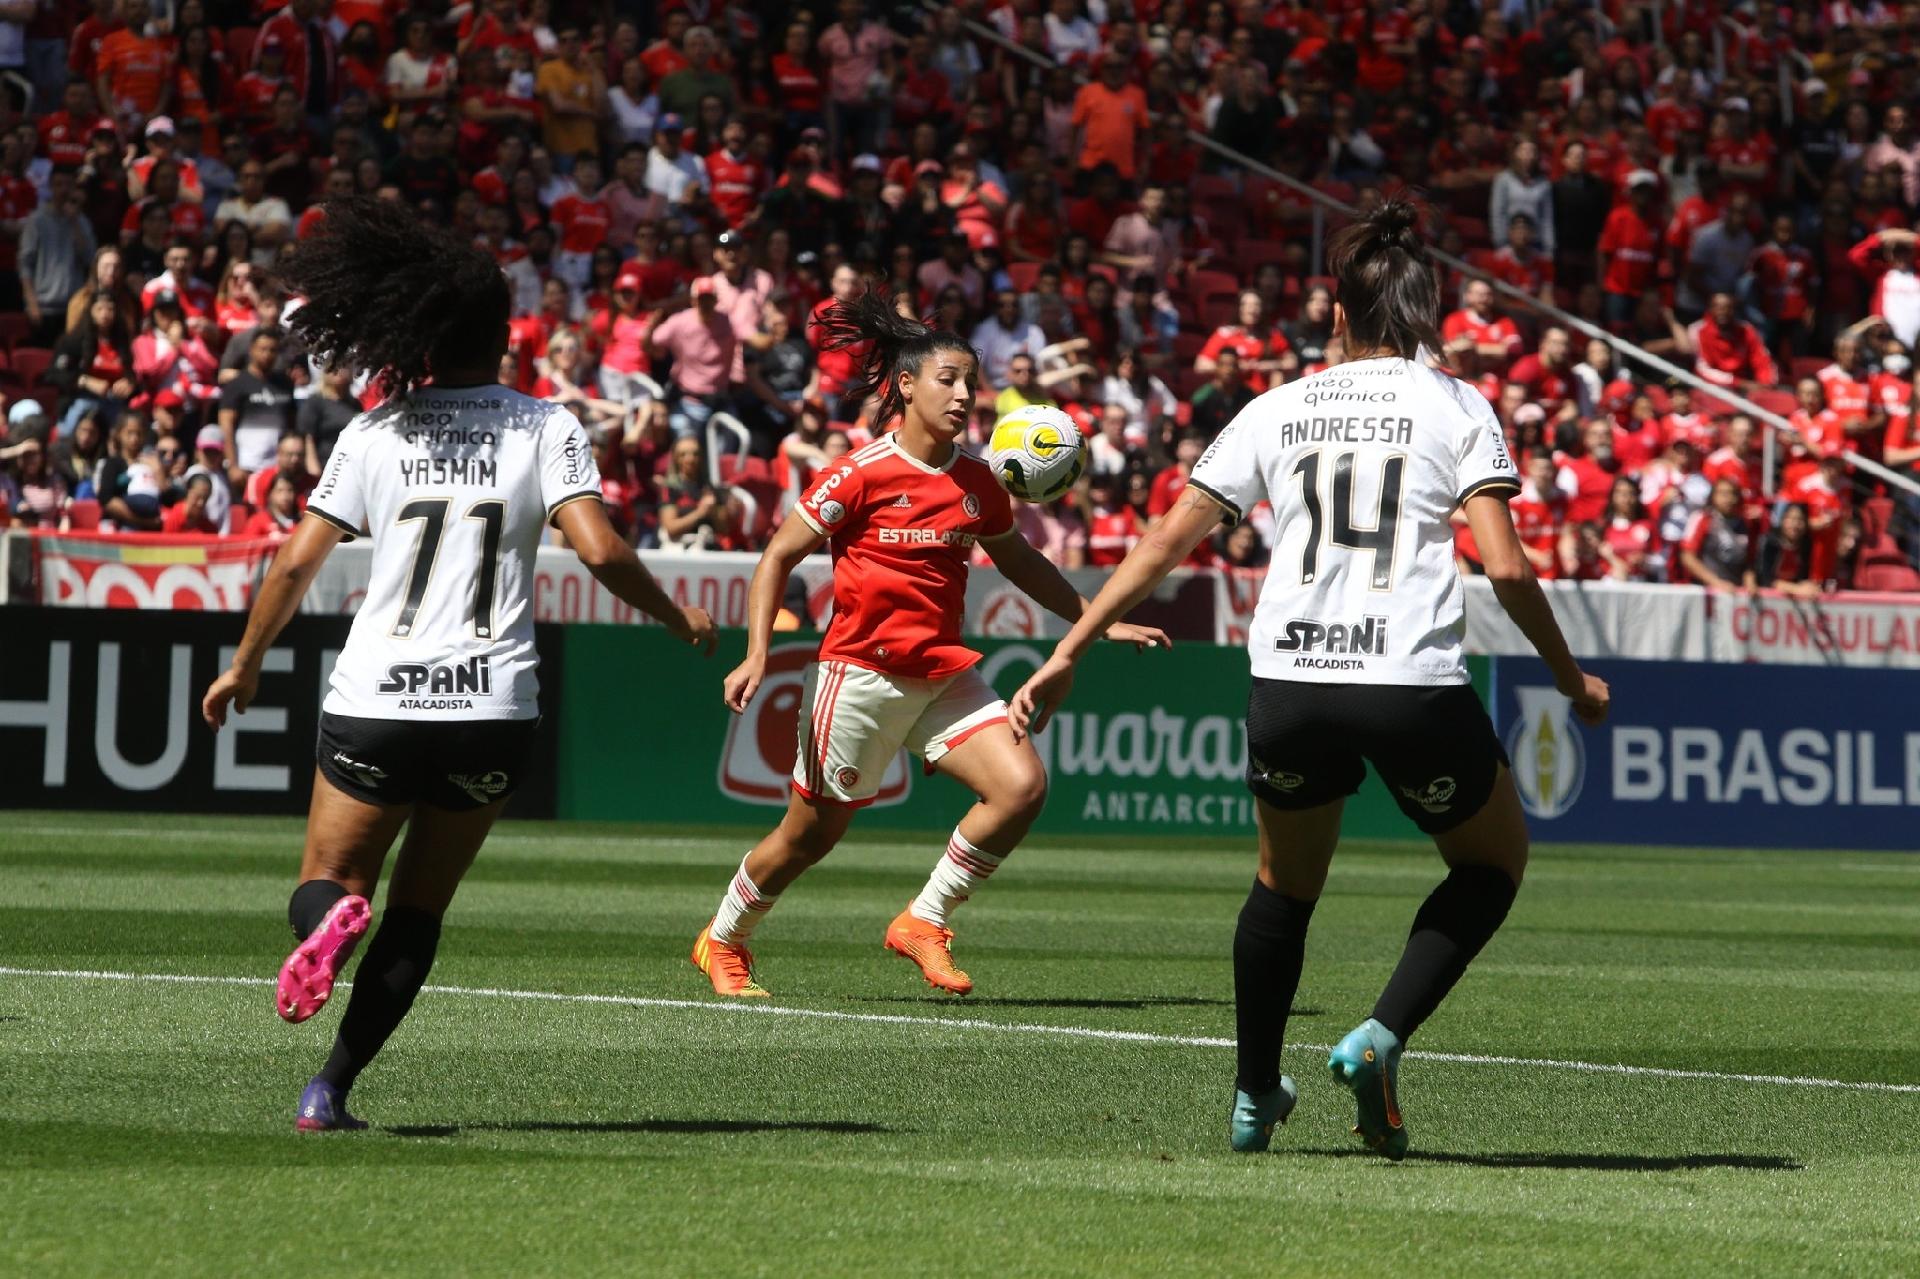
309	905
1268	948
1455	921
391	973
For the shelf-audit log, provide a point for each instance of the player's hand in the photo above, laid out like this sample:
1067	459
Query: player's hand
700	631
234	686
1591	700
1141	637
742	682
1033	706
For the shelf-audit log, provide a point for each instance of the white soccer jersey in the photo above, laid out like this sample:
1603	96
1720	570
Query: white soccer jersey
1363	464
455	488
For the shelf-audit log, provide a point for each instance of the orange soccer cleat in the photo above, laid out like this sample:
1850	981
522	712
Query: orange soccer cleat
927	945
728	966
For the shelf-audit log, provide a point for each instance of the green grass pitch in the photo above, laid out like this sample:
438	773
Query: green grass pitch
147	1127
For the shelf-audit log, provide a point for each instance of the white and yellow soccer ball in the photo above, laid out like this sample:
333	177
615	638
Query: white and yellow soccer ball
1037	452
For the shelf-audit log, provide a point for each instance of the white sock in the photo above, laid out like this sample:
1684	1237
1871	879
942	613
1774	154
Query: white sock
963	869
741	909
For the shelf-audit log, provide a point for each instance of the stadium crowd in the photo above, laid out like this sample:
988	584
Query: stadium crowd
674	190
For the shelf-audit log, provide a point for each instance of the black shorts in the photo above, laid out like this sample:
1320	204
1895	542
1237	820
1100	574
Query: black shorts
457	765
1434	746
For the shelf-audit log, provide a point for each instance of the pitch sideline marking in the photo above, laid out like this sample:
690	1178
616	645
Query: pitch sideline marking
963	1023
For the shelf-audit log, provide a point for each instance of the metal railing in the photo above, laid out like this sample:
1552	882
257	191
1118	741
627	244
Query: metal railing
1323	203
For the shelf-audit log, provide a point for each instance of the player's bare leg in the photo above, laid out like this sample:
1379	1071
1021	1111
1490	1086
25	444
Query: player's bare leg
1269	948
1486	857
440	847
1011	783
347	842
808	831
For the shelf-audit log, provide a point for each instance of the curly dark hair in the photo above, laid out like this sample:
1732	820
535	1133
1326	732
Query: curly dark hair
393	295
887	344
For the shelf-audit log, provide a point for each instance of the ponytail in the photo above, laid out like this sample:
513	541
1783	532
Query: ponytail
1386	281
892	344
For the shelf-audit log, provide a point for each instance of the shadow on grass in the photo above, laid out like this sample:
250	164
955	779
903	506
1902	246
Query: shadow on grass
640	1126
1584	1163
1148	1001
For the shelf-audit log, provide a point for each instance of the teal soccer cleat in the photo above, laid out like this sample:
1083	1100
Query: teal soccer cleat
1368	1062
1253	1117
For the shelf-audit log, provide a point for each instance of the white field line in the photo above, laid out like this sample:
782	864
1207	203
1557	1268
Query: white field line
1019	1028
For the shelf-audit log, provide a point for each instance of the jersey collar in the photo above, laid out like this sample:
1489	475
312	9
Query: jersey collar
893	442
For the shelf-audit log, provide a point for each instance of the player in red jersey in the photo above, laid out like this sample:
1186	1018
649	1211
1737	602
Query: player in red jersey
902	516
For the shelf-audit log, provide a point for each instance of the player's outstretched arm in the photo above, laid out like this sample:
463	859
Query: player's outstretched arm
293	569
1519	593
792	542
1040	579
1166	544
615	566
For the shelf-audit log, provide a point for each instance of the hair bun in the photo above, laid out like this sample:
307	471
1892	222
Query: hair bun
1398	224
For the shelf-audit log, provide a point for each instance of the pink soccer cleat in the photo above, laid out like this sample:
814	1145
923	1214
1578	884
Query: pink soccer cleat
306	979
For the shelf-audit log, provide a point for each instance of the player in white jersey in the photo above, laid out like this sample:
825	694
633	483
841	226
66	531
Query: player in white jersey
432	707
1356	656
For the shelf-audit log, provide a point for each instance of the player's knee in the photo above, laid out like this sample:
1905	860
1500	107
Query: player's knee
808	842
1025	792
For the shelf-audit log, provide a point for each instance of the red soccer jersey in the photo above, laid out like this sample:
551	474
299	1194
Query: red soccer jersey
1846	395
583	223
799	84
1498	331
1537	522
1591	483
63	137
1630	243
1785	274
1250	349
18	200
1110	535
736	185
901	535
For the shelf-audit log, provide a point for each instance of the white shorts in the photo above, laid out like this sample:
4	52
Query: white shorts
853	721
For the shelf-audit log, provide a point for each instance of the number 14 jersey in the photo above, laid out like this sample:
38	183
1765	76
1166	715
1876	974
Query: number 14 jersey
1364	464
454	487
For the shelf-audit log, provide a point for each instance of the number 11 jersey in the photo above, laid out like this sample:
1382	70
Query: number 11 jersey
1364	464
454	487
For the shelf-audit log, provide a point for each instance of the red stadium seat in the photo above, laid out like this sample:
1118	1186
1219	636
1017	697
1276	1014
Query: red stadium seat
1887	577
1876	516
1776	401
1257	253
83	515
1201	283
15	328
1186	346
1023	275
1473	230
1212	190
240	48
30	363
1217	309
1808	365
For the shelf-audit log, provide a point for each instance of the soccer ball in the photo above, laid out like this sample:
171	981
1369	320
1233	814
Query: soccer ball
1037	453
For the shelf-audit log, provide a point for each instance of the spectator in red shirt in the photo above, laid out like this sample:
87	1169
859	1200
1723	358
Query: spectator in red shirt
737	178
134	70
800	92
582	219
64	133
1113	528
1785	278
1587	477
189	514
1264	356
1548	373
1728	351
1629	247
1479	340
313	59
1539	511
1628	538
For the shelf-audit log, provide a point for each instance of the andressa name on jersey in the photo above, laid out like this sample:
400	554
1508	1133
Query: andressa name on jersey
1346	430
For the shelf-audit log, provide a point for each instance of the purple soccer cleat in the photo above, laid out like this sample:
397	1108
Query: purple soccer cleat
324	1109
306	979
